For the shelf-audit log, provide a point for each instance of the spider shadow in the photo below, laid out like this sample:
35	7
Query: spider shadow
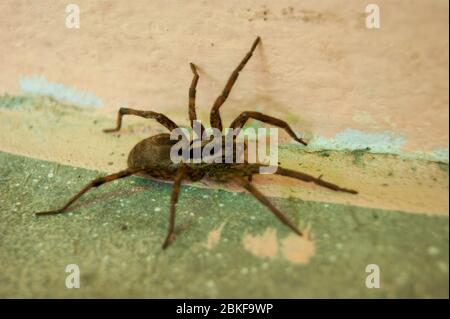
142	185
106	196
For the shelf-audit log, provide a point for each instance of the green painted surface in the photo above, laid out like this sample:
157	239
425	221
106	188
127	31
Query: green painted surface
115	232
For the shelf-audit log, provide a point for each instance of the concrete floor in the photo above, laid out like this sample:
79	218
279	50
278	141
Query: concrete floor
228	245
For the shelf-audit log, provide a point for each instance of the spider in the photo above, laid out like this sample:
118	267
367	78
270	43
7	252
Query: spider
151	156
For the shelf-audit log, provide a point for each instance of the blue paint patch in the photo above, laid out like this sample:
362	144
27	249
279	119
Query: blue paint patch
380	142
352	139
441	155
39	85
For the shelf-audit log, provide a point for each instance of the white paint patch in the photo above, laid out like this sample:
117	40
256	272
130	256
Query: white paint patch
39	85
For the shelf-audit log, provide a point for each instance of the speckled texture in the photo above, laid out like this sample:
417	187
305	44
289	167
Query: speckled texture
115	233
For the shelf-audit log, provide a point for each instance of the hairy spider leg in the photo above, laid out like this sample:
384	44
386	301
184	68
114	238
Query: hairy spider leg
265	201
308	178
214	118
240	121
161	118
192	95
173	205
95	183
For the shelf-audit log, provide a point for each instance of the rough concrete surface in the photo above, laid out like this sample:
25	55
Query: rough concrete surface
228	245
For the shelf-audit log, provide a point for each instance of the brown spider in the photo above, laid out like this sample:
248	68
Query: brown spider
151	156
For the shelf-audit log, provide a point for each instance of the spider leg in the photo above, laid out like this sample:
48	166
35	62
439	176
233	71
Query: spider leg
215	119
161	118
192	94
173	203
315	180
250	176
240	121
95	183
265	201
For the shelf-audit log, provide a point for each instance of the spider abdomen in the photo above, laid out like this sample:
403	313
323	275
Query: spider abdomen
152	151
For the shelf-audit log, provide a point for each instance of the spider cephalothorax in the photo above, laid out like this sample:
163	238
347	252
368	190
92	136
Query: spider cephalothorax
151	156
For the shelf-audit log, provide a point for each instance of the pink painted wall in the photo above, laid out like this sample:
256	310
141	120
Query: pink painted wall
318	67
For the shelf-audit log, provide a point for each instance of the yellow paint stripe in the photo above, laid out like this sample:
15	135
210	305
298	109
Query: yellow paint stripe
75	138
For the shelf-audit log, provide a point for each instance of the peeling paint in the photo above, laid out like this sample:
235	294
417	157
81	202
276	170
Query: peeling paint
265	245
296	249
214	237
39	85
